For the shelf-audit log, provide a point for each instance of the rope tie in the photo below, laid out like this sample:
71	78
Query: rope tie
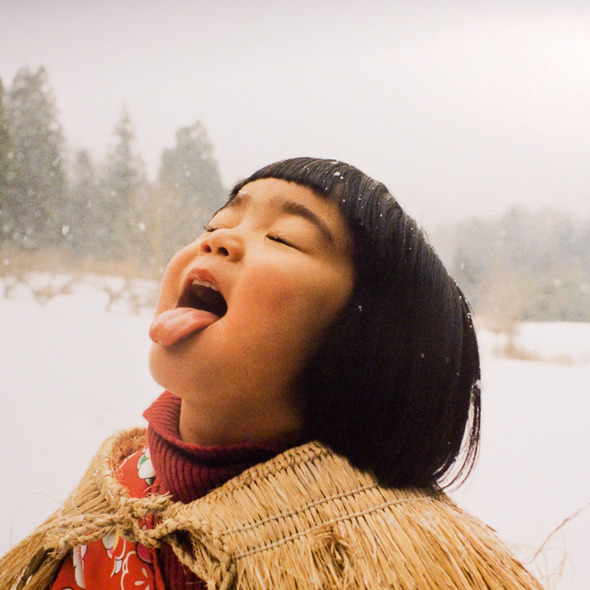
130	517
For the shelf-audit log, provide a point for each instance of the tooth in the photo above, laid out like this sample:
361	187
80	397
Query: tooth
204	284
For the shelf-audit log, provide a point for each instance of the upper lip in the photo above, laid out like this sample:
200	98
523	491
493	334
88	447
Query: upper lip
201	291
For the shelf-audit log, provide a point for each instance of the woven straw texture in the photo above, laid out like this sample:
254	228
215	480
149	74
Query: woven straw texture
305	519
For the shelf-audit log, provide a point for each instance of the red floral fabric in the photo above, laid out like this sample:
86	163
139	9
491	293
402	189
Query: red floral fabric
113	563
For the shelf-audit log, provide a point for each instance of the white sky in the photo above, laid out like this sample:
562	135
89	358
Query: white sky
461	107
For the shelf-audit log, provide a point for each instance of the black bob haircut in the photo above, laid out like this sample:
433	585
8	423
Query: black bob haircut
394	383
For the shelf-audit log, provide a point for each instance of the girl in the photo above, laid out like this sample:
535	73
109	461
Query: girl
321	373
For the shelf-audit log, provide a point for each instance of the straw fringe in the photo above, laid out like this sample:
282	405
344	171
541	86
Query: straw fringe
305	519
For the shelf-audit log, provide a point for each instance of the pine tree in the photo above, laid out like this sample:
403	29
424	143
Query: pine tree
125	204
37	142
83	234
190	188
6	173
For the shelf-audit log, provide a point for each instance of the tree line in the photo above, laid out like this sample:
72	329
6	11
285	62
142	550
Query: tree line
108	213
524	265
520	266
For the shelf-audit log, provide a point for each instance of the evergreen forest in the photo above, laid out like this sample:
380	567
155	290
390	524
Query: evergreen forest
66	210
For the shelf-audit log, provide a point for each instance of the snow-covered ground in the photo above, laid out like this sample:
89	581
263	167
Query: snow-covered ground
73	374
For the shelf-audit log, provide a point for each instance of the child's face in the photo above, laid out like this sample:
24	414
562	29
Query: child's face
279	257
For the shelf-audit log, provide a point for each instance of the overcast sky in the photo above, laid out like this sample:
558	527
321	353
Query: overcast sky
460	107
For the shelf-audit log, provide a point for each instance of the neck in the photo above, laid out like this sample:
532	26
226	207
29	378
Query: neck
207	426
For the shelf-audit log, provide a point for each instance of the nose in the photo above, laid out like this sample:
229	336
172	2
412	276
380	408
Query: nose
223	242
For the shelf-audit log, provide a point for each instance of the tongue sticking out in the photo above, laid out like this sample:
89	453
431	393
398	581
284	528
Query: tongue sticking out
172	326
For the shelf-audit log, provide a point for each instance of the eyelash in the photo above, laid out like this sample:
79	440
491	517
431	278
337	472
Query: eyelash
280	240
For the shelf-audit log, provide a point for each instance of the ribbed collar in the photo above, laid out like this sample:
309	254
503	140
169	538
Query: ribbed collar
190	471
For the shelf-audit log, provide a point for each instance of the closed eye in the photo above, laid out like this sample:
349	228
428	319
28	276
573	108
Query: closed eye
280	240
211	228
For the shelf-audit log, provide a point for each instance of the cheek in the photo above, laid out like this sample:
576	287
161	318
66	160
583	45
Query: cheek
270	290
170	281
297	302
325	304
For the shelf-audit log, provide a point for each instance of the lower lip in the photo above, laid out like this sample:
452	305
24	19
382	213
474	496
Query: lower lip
170	327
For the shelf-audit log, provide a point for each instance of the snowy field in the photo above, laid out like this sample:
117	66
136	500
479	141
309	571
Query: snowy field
73	374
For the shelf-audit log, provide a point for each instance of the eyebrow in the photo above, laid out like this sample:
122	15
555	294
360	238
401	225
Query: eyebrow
289	208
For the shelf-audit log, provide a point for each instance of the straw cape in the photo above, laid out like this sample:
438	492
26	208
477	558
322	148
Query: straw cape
304	519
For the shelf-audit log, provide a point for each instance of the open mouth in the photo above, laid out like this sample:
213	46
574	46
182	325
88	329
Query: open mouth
204	296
